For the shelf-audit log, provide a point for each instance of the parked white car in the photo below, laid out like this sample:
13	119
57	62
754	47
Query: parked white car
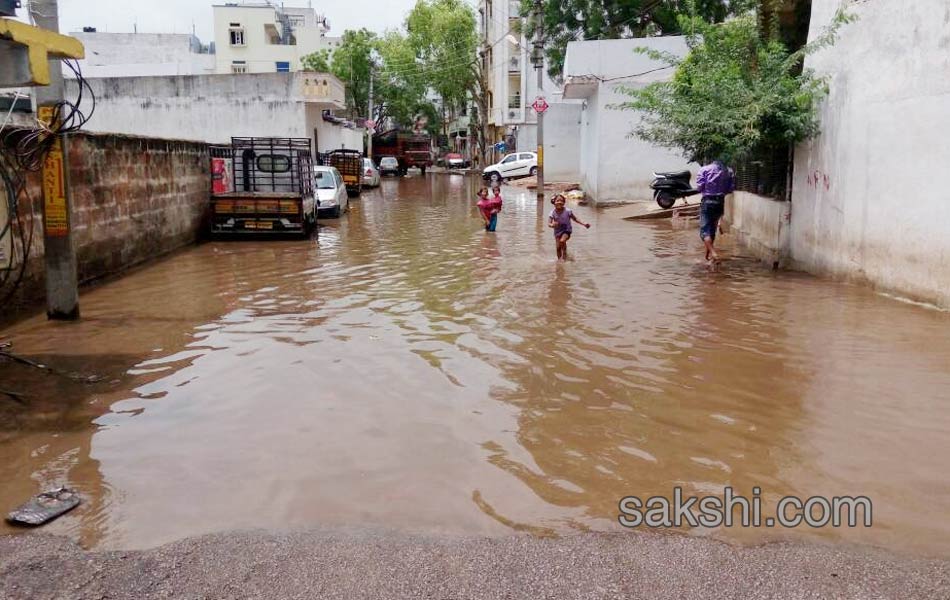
517	164
331	191
389	164
370	173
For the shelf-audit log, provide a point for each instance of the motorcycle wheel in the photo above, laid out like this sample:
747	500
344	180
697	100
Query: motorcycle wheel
665	199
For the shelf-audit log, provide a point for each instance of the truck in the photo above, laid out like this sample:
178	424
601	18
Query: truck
411	149
350	165
262	185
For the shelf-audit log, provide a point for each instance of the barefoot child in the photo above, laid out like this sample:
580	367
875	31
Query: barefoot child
496	203
485	209
560	221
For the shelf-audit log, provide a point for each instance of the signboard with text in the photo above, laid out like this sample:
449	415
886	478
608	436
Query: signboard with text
540	105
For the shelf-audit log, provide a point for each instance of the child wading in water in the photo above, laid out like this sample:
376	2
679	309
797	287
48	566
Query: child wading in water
496	203
486	208
560	220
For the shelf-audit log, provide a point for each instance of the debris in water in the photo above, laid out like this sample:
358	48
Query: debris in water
45	507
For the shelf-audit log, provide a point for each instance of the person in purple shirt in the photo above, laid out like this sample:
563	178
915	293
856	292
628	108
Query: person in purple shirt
560	221
713	181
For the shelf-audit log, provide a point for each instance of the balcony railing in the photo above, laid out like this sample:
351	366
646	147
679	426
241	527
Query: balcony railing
514	101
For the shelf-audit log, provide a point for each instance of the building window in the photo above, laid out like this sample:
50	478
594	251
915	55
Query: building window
283	66
239	66
237	35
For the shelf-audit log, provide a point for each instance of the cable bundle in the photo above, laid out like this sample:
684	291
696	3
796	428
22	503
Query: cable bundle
25	150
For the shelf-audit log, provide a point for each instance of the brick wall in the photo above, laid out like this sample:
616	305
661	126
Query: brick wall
133	199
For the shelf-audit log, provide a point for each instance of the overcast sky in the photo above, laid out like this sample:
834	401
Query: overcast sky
177	16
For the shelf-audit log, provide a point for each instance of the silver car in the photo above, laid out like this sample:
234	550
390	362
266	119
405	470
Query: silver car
331	191
370	173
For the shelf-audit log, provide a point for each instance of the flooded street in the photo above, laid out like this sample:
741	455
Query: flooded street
407	370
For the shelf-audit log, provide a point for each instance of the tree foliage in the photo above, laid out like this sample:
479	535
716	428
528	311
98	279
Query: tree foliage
738	90
443	35
352	61
569	20
400	84
317	61
436	51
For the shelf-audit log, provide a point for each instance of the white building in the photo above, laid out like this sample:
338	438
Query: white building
513	81
264	37
614	166
142	54
858	209
251	105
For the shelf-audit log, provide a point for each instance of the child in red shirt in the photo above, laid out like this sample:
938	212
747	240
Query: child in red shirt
486	209
495	207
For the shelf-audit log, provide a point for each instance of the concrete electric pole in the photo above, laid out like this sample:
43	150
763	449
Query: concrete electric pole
369	116
62	283
537	59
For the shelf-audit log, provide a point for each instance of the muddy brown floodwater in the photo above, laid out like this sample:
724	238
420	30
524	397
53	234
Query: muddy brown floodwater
407	370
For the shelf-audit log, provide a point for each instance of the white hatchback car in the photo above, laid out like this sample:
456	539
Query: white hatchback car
517	164
331	191
370	173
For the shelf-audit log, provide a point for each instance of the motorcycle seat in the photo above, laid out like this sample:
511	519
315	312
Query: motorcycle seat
674	174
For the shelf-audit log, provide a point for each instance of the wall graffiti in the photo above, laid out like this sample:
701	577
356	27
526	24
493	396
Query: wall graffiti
817	179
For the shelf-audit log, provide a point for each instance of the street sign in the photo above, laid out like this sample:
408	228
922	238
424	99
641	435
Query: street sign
540	105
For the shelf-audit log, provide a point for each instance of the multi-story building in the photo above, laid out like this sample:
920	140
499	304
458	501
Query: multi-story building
512	79
264	37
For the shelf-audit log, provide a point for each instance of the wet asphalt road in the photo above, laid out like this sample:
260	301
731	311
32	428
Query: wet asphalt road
361	564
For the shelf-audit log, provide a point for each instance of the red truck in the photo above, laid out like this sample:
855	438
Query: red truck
410	149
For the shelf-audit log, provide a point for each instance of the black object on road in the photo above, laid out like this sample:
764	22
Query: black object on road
45	507
668	187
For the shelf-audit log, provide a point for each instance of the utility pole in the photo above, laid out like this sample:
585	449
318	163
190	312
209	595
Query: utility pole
369	117
537	59
62	282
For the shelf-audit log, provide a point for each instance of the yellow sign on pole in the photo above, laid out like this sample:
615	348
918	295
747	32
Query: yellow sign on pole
540	156
55	209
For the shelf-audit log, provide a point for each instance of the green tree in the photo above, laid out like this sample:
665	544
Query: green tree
352	63
738	91
400	83
442	33
569	20
317	61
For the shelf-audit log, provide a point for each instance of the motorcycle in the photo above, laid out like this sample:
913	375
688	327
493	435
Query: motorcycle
671	186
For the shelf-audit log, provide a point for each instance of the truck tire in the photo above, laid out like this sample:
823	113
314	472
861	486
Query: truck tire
423	169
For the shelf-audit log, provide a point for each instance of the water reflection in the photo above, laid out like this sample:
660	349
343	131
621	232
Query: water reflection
410	370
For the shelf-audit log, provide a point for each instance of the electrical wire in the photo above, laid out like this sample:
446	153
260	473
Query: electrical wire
24	150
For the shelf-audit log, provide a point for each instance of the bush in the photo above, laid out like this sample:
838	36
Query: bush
737	90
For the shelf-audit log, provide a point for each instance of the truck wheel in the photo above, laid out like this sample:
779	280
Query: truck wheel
423	169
